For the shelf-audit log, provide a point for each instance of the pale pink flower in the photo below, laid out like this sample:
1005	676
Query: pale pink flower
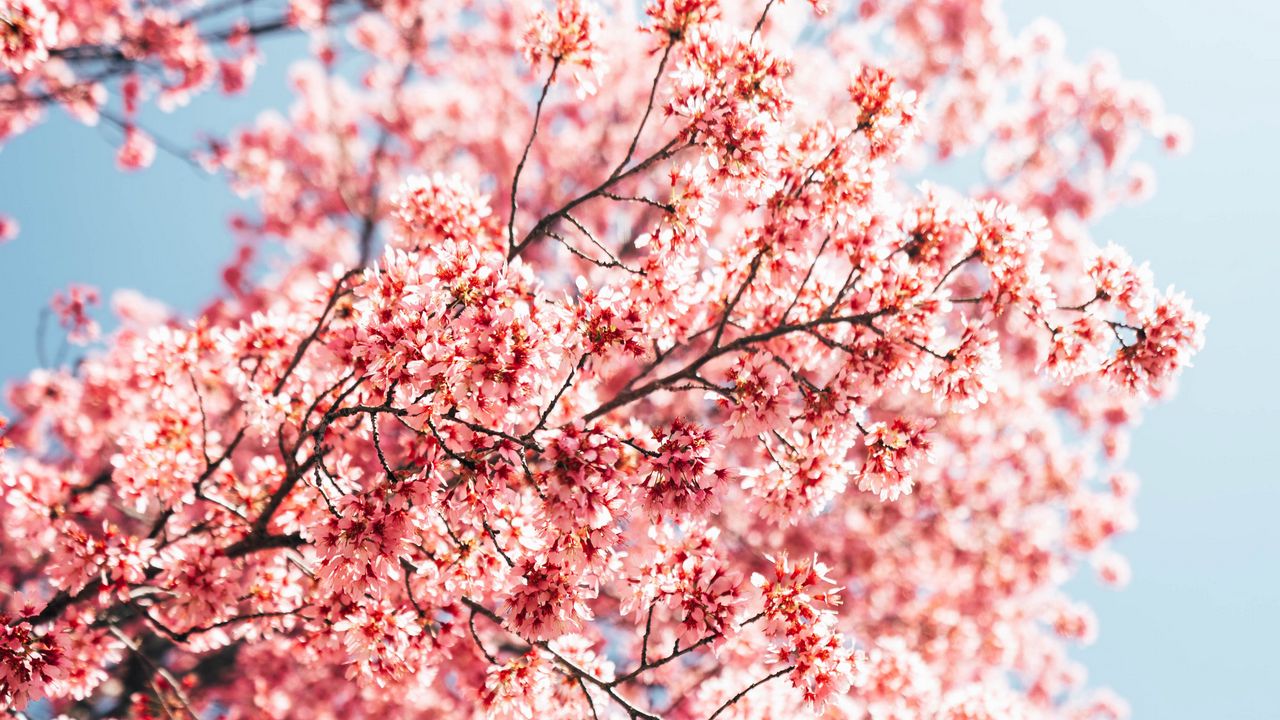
138	150
894	450
760	397
967	373
548	600
8	228
72	309
567	39
28	28
1166	337
681	476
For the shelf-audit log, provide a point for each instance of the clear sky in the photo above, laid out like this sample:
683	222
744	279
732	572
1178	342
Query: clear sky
1197	633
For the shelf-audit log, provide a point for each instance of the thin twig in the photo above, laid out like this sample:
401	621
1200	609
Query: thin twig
515	178
748	689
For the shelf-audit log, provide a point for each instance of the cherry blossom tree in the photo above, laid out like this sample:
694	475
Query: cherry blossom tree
593	361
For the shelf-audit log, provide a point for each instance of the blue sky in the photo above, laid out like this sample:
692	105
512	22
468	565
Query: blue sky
1196	633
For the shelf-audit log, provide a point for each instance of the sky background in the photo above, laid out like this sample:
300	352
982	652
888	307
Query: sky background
1196	634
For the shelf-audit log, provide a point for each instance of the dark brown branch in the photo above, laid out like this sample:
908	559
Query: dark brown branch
568	665
542	420
648	110
678	652
800	290
315	332
687	372
729	703
254	543
760	22
666	151
742	289
524	157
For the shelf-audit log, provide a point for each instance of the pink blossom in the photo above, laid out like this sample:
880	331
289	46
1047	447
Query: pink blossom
1011	247
687	579
729	96
515	690
72	309
548	602
675	17
1112	568
237	74
886	113
361	549
893	682
894	451
380	640
439	208
8	228
567	38
1177	135
967	375
681	477
28	28
1118	282
759	397
1166	337
138	150
30	662
979	702
1076	622
798	607
1079	347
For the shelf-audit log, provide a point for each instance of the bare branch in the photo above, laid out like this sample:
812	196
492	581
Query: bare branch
515	178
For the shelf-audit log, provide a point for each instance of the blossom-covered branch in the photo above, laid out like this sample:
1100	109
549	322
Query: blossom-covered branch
720	415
